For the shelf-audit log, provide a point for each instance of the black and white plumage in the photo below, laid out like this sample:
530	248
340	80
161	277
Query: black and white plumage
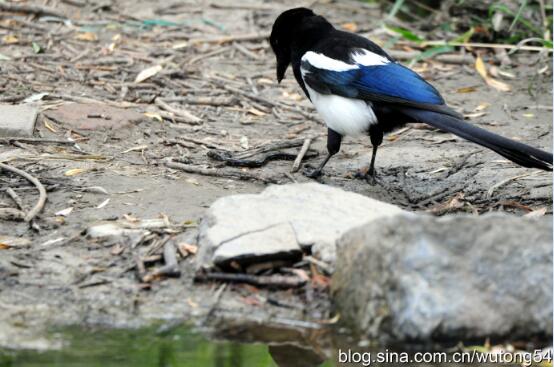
357	88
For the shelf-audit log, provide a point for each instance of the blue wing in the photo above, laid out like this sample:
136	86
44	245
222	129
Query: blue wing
390	82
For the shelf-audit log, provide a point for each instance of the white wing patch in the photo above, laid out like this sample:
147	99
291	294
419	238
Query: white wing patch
321	61
347	116
368	58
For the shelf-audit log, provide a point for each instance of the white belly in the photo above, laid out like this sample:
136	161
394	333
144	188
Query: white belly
346	116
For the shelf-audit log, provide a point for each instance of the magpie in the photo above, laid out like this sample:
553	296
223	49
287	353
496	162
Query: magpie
358	89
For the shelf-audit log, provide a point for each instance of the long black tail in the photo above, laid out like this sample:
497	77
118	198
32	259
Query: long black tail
517	152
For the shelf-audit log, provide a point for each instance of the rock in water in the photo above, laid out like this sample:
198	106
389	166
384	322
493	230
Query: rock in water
451	278
282	220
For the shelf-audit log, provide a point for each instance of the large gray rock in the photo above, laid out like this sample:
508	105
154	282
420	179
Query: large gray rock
280	221
17	120
423	277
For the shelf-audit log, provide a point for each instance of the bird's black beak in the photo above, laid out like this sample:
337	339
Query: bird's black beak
282	65
281	72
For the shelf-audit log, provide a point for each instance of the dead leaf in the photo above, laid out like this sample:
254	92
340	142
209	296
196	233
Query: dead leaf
180	45
186	249
301	274
466	90
74	172
148	73
191	303
7	242
10	39
319	280
455	202
87	36
265	81
496	84
251	301
482	106
155	116
64	212
103	204
256	112
244	142
536	213
350	27
48	125
117	250
474	115
133	149
294	96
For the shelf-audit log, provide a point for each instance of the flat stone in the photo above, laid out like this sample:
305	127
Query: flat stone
17	120
450	278
260	226
93	116
277	241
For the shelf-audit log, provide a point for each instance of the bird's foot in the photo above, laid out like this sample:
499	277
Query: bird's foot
372	179
310	171
366	174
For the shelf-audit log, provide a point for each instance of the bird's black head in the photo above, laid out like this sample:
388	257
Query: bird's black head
290	27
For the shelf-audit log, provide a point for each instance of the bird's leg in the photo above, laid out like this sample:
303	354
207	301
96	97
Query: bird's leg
371	171
333	146
376	136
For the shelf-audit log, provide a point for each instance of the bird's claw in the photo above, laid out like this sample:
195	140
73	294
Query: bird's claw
371	179
369	176
311	172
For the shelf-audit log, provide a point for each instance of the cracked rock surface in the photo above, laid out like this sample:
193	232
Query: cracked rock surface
277	223
456	278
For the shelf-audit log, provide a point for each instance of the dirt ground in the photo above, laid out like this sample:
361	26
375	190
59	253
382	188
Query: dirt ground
61	277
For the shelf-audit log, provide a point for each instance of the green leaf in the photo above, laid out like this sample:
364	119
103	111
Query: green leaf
395	8
546	43
159	22
518	15
464	38
36	48
405	33
431	53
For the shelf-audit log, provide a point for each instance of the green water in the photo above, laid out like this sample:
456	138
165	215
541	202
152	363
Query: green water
141	348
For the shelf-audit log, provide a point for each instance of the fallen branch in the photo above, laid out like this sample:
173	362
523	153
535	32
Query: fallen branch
303	150
508	180
187	116
261	159
445	58
42	192
232	38
15	198
10	140
484	45
30	9
203	100
171	267
270	103
215	172
11	214
271	281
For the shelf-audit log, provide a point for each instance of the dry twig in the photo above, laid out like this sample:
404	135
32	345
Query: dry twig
303	150
30	9
42	192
